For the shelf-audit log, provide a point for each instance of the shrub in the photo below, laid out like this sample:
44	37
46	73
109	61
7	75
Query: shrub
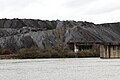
27	53
42	53
87	53
34	53
53	53
1	51
70	54
5	52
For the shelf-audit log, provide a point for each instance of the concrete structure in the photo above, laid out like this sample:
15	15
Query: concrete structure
110	51
82	46
105	50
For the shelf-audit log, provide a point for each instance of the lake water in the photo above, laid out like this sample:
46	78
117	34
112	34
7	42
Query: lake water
60	69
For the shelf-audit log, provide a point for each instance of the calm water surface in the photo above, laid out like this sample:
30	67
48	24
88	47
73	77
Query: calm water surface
60	69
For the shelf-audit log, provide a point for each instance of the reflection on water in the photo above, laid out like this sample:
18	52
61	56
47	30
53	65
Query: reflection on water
60	69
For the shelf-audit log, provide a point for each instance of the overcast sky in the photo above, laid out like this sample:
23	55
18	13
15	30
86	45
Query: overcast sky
97	11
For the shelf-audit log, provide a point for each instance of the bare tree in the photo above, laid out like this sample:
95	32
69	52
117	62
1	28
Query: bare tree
59	34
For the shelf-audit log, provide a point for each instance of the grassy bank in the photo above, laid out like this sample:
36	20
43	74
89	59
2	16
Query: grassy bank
32	53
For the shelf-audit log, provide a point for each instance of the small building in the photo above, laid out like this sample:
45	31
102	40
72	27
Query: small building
106	43
110	50
105	50
82	46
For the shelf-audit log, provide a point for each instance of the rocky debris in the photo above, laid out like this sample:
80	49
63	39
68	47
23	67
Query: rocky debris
26	29
20	23
4	32
25	33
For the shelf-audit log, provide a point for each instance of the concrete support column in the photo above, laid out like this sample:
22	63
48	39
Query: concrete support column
107	52
102	51
112	52
117	52
75	48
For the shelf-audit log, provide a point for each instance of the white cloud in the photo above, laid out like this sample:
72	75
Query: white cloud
78	3
102	6
98	11
5	4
